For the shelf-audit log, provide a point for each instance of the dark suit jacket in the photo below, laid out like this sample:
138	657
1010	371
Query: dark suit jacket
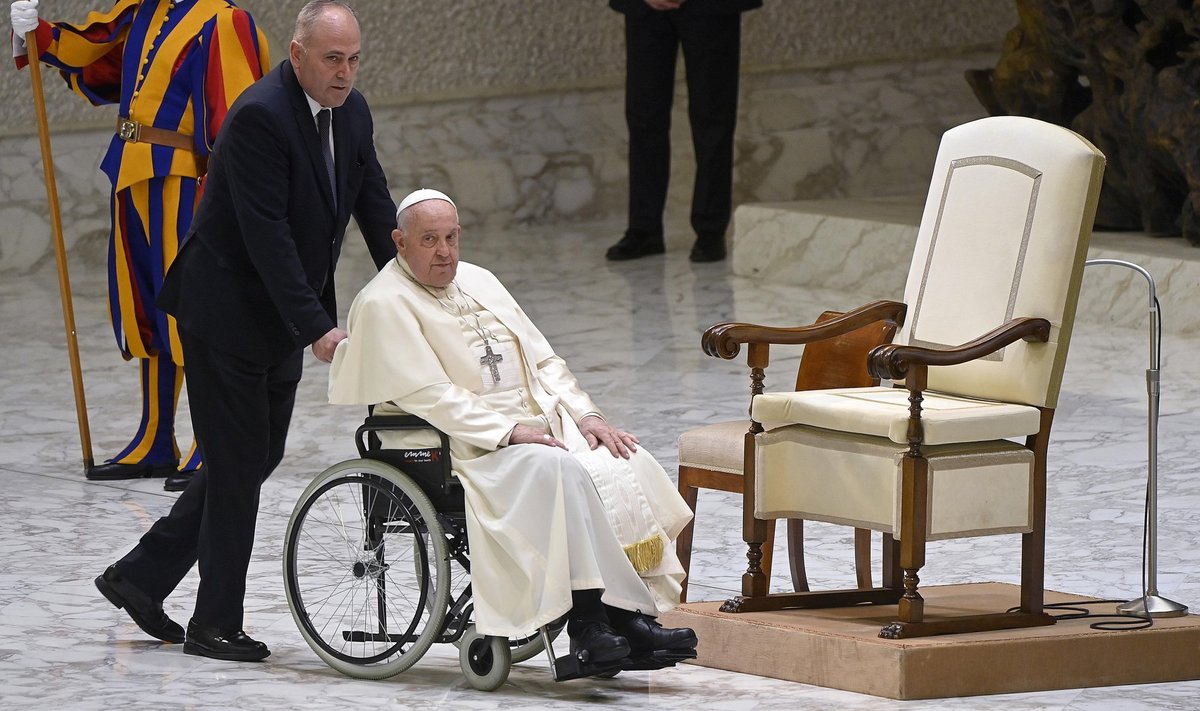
254	276
701	7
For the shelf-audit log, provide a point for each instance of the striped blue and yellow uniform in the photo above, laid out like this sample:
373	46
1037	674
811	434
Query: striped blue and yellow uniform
175	65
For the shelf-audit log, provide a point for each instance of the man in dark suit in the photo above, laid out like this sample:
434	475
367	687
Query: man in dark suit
251	287
709	31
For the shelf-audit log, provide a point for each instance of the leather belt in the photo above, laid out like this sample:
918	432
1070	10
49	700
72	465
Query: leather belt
134	132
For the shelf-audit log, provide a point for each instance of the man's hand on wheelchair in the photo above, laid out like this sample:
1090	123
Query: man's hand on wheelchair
325	346
599	432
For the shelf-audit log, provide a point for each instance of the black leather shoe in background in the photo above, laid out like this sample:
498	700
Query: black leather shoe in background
646	635
147	613
635	244
179	480
111	471
211	642
708	248
599	644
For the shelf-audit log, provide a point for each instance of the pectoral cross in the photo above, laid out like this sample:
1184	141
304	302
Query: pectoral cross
490	360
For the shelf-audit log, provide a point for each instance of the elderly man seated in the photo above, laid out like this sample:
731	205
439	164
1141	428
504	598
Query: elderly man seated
565	513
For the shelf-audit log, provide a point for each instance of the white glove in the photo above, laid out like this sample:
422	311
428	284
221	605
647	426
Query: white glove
24	17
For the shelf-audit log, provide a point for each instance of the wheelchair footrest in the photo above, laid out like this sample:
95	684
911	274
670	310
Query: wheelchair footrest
659	659
569	667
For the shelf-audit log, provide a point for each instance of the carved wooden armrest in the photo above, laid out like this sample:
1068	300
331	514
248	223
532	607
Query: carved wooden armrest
725	340
894	361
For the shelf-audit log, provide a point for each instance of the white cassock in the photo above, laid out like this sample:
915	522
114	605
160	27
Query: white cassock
541	521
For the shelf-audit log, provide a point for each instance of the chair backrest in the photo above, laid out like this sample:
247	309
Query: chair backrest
1004	235
841	362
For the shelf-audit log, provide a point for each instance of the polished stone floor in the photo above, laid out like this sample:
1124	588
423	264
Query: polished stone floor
631	333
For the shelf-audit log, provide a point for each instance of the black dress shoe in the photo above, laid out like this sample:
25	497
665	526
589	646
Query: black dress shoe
147	613
178	481
708	248
112	471
647	636
205	641
635	244
597	643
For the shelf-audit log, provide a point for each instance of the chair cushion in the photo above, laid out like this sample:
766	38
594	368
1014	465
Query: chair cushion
975	489
716	447
883	412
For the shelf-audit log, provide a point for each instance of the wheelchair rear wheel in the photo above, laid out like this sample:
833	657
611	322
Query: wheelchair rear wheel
366	569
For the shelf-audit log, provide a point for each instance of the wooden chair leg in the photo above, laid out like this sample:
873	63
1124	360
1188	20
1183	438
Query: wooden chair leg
862	556
683	544
795	538
914	517
768	551
890	562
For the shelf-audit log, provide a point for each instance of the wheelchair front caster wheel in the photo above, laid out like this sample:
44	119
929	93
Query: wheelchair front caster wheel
485	660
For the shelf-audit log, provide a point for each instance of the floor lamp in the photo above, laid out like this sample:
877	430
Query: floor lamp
1150	603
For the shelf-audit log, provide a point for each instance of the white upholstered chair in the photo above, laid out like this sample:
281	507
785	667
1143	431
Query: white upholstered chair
956	445
713	456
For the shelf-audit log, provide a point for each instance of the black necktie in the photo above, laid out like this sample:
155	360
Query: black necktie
323	118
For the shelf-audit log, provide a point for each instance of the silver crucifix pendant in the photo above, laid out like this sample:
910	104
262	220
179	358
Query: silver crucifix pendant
490	360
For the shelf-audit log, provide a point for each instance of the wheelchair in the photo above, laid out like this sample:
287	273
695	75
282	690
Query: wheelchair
377	569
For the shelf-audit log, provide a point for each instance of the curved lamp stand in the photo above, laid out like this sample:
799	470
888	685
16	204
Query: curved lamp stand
1150	603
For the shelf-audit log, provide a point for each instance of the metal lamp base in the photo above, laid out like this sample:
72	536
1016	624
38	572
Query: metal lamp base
1155	605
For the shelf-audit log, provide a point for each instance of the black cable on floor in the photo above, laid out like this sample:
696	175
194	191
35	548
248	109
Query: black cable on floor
1116	622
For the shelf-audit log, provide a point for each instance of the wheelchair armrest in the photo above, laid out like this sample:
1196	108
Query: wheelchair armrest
434	476
396	422
393	423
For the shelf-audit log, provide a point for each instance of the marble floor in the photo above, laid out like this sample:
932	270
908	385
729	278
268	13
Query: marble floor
631	333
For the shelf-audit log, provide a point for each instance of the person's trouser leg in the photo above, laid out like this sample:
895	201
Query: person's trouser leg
148	218
166	552
711	53
651	47
241	411
154	441
244	410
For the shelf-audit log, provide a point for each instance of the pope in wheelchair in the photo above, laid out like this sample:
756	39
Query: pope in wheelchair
564	515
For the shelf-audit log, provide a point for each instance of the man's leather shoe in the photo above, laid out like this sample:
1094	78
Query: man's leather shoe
214	643
646	636
708	248
179	480
599	644
635	244
112	471
147	613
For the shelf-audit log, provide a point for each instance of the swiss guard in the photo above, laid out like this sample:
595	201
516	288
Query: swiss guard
173	67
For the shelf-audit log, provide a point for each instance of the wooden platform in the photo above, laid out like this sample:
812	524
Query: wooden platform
839	648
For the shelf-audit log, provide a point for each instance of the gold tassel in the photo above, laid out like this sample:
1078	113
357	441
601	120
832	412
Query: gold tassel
645	555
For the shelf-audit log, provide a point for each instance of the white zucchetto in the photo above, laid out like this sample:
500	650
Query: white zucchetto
422	195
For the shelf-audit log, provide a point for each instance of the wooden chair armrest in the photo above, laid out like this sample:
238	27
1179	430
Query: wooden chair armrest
893	361
724	340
